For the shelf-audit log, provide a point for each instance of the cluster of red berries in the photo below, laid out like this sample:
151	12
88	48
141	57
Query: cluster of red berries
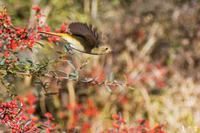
12	38
12	115
142	126
18	115
87	111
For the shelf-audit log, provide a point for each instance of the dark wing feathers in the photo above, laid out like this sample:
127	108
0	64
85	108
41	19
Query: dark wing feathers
88	32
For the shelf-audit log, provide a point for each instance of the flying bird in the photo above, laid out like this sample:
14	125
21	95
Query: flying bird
83	38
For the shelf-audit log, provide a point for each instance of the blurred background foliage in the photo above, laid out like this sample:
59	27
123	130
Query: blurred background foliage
142	34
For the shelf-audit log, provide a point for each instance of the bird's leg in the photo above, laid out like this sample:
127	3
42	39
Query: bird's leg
69	48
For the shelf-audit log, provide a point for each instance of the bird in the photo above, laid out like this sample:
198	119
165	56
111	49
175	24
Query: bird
83	38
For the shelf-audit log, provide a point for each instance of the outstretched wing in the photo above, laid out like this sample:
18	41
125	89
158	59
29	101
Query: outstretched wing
88	32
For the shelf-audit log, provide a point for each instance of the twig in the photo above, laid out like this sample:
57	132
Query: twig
151	41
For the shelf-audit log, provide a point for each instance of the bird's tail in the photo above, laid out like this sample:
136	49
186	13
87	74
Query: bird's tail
50	33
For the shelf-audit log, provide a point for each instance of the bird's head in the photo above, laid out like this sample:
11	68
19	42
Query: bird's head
104	49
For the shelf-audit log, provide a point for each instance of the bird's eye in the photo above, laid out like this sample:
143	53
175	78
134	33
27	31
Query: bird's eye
106	48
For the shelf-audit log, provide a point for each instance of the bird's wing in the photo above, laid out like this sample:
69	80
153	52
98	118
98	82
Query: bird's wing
88	32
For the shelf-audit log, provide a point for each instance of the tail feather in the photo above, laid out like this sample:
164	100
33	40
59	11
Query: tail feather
51	33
